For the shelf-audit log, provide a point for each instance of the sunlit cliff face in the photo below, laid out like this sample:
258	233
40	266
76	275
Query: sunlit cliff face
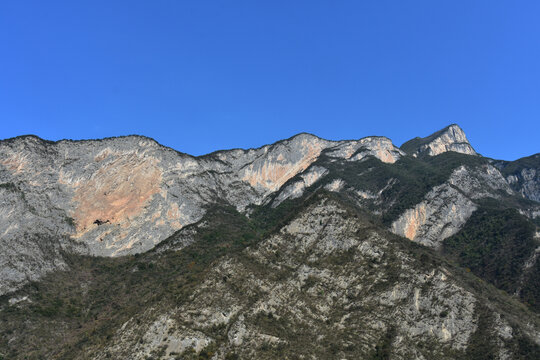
416	218
117	191
275	171
356	150
453	139
127	194
121	196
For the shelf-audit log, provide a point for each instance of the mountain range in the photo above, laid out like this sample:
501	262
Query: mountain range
307	248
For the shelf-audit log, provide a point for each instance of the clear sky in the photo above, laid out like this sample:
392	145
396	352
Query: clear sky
205	75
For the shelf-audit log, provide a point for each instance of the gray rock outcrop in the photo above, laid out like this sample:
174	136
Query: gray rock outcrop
523	175
452	138
333	285
120	196
447	207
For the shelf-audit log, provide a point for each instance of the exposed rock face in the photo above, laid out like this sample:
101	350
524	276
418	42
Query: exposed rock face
281	162
297	188
523	175
121	196
335	280
299	249
114	189
447	207
530	183
451	138
480	182
350	151
377	146
440	215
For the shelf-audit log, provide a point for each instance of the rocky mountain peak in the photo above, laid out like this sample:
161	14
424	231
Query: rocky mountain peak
451	138
124	195
256	252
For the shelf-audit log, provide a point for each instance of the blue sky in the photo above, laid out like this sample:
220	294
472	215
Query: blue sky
205	75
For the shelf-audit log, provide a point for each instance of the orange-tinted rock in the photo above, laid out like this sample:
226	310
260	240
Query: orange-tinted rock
116	192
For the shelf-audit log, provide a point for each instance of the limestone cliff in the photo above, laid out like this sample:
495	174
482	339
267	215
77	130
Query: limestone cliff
451	138
306	248
523	175
340	295
447	207
326	275
124	195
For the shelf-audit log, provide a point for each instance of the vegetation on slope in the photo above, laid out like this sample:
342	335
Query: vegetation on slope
495	244
515	167
88	303
85	306
412	177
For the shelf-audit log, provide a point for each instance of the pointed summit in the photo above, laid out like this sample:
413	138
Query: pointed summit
451	138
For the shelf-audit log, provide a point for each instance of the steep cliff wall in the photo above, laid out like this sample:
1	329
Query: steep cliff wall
451	138
124	195
523	175
446	208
